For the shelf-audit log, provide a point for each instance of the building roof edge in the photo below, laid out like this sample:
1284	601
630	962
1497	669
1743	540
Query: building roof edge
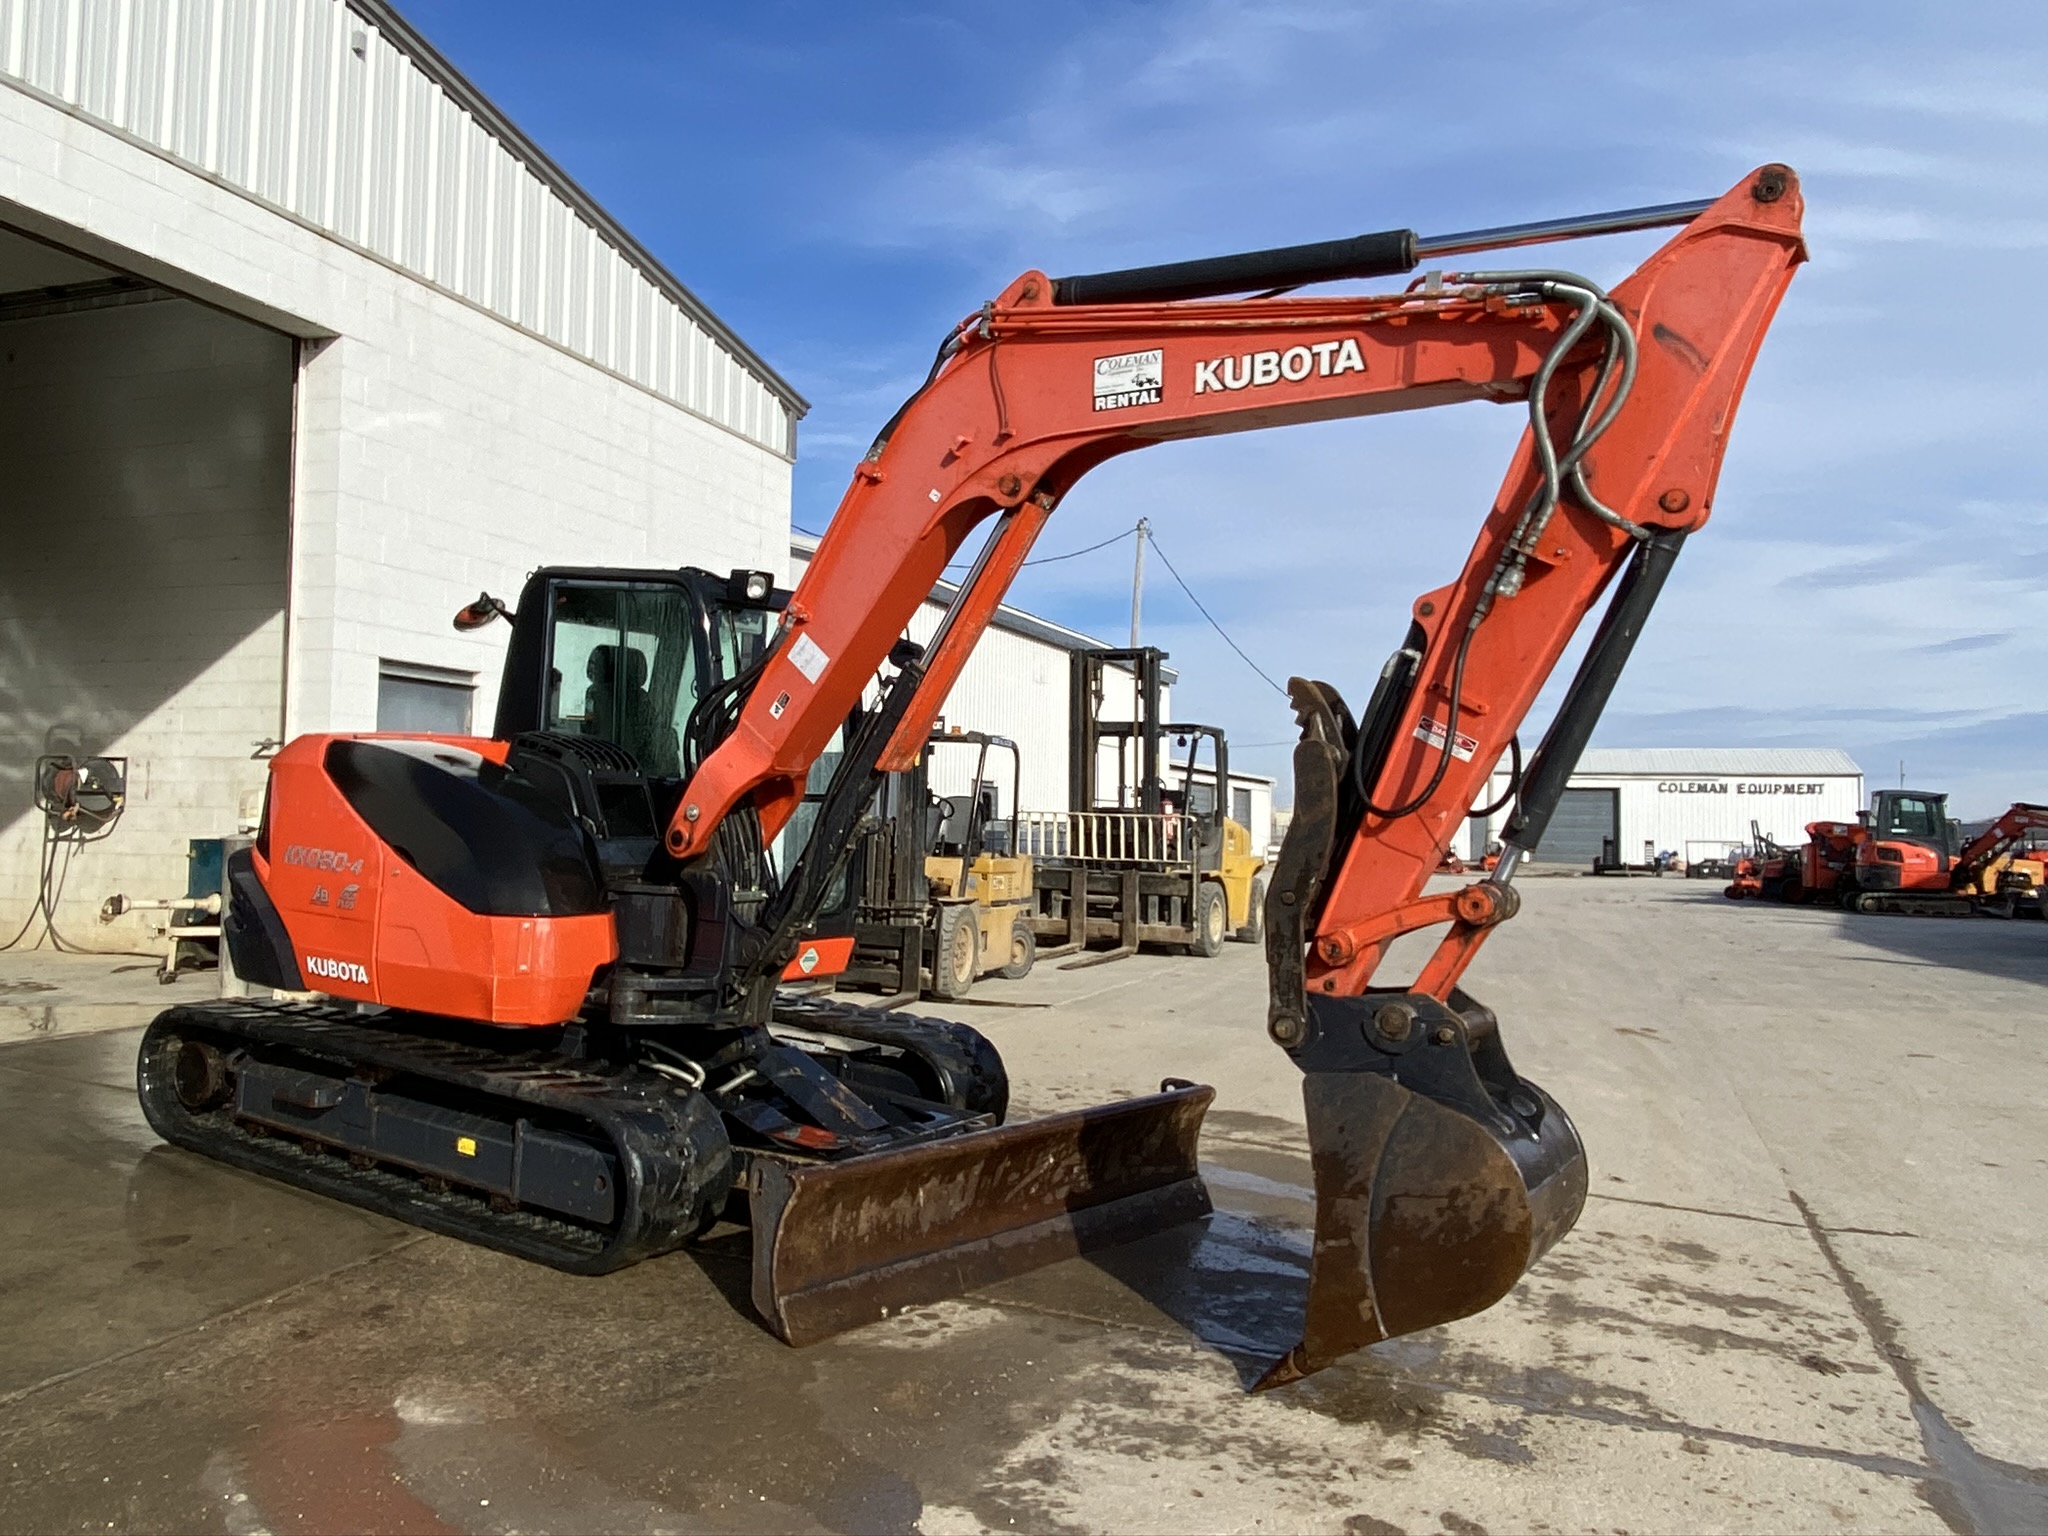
408	41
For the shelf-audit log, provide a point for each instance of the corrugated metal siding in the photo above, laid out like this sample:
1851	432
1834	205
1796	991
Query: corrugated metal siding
309	107
1012	686
1713	760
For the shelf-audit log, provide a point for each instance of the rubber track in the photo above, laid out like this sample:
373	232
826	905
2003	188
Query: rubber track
970	1071
675	1165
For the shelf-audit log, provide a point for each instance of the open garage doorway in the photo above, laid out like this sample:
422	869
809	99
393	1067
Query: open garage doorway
145	520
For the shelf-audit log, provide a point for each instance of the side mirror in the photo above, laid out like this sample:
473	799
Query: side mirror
480	613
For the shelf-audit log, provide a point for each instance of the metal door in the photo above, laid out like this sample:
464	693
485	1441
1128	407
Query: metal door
1584	817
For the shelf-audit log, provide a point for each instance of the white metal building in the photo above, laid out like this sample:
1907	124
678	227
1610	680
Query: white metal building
1016	684
302	344
1696	802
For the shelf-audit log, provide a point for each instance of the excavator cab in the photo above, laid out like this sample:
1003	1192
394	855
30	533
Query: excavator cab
626	656
1911	845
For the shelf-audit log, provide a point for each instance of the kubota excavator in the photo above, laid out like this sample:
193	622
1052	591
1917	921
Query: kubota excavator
1911	859
549	958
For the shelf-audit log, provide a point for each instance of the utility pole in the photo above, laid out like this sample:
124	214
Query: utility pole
1138	578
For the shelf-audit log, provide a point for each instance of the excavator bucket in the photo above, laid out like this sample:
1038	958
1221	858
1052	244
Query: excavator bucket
1441	1174
840	1245
1428	1209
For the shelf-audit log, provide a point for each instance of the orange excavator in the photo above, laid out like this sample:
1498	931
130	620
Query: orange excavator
1910	858
1903	855
548	960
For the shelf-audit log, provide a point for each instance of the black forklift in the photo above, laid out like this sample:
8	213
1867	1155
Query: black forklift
1146	852
944	896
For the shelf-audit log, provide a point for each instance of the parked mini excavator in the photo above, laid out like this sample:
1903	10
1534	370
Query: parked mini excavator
549	958
1903	855
1911	859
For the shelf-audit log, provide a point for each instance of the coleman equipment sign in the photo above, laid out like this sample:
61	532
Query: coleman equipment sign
1129	378
1735	787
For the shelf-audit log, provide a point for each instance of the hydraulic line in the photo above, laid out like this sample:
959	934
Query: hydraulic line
1591	305
1514	780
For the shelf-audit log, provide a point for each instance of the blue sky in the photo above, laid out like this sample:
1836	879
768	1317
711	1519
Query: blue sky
841	182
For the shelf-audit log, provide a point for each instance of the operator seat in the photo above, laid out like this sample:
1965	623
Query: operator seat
936	822
616	704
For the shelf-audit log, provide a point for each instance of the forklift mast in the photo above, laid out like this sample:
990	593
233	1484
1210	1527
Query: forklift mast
1087	730
1141	786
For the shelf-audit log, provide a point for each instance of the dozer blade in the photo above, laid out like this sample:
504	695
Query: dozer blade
840	1245
1440	1178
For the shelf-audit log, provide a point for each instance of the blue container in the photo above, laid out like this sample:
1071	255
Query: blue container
205	866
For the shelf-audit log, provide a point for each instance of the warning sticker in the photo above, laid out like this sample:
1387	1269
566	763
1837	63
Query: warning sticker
807	658
1128	379
1432	732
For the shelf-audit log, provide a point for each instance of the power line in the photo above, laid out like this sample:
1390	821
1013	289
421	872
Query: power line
1072	554
961	565
1163	560
1076	553
1179	580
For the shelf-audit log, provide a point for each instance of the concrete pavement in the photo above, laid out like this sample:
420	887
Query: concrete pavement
1805	1294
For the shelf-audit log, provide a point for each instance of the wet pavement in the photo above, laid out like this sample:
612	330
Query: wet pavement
1805	1296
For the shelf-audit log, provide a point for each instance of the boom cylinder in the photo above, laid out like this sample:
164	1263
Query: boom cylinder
1386	254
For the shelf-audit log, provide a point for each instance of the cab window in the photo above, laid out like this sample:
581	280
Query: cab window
789	842
1912	817
624	670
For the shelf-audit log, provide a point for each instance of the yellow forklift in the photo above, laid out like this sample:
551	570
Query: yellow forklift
945	897
1146	853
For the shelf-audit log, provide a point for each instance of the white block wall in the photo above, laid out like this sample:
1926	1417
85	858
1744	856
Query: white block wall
147	454
439	449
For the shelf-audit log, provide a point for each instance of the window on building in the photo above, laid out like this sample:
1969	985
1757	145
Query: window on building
433	701
1241	806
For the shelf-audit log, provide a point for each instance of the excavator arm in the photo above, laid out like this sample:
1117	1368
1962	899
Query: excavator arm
1992	844
1440	1174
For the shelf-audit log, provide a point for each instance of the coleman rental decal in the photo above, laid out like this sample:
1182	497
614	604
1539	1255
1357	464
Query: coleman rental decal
1128	379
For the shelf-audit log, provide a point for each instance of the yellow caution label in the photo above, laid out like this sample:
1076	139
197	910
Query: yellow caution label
466	1145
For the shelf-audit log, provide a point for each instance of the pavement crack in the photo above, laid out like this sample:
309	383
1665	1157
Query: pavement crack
1980	1494
1107	1324
1762	1221
271	1298
1888	1466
